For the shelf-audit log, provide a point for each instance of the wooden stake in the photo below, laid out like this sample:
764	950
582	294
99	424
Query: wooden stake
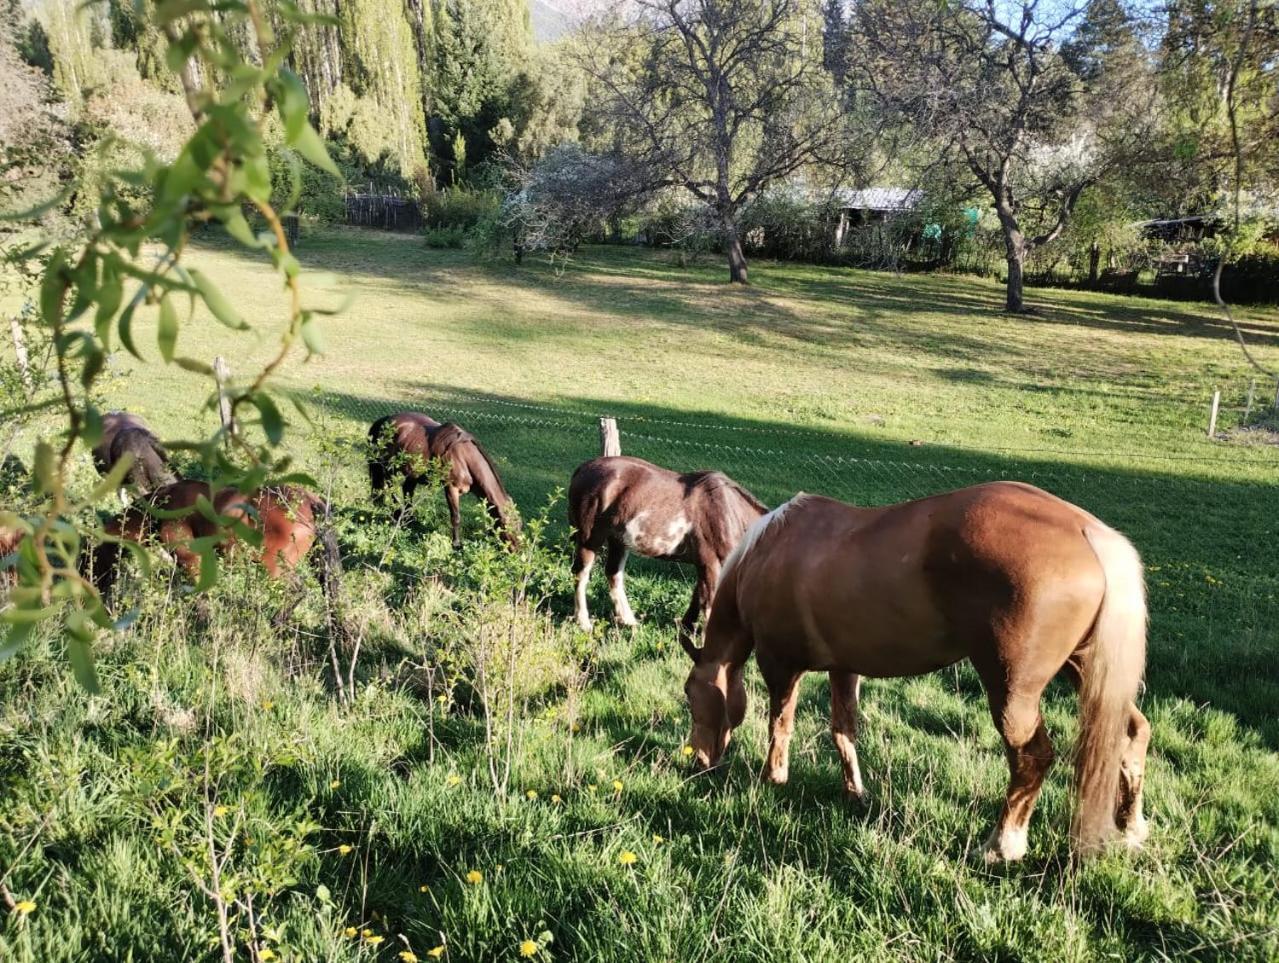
222	374
1212	415
1252	391
20	350
610	439
1276	406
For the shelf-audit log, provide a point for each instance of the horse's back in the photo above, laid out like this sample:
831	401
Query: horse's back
908	588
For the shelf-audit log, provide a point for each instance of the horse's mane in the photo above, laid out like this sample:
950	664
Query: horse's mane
713	480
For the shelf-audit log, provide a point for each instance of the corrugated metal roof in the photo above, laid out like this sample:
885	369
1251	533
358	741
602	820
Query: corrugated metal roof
881	198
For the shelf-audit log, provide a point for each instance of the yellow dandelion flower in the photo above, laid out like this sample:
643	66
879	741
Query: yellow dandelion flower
475	877
408	956
499	867
528	948
617	785
627	858
24	906
335	783
453	780
350	931
424	888
436	953
576	727
531	794
556	799
345	848
366	933
220	811
268	705
591	787
687	750
266	953
374	940
658	838
660	646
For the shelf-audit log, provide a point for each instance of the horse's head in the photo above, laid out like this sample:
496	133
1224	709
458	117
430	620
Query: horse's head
717	703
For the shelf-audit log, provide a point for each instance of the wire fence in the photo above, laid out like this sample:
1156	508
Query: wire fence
1211	546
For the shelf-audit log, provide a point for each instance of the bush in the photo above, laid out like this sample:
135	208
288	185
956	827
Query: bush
445	237
459	208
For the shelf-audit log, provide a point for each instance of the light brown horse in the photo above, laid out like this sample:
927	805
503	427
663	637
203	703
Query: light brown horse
1019	582
124	435
403	445
628	504
290	518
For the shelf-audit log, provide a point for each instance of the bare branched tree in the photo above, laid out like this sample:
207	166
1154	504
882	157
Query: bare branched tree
1000	89
718	97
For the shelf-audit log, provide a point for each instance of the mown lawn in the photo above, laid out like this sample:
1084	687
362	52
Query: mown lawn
866	386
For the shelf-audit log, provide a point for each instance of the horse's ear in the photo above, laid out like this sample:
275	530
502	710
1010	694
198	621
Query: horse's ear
686	641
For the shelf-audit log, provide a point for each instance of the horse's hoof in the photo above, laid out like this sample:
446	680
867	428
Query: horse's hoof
1006	847
584	625
855	794
1135	834
778	776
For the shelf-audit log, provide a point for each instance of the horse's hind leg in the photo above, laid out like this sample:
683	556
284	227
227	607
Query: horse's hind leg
1132	774
615	569
583	562
845	690
1030	754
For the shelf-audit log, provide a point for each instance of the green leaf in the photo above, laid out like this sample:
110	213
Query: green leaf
272	423
110	295
44	468
16	638
208	570
53	288
311	337
311	146
293	103
219	305
125	327
80	652
167	333
194	366
114	478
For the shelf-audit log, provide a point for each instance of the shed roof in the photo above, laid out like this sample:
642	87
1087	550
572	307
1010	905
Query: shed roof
880	198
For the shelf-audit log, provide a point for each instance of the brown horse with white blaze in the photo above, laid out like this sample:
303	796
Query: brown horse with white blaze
402	446
627	504
1019	582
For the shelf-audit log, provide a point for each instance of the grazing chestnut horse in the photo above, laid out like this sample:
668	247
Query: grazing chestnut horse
1019	582
125	434
629	504
10	539
290	519
402	445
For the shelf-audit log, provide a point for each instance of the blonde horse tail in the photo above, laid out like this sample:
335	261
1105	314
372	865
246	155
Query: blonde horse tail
1110	676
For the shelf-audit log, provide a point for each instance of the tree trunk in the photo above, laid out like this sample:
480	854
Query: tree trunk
1015	254
1094	260
736	257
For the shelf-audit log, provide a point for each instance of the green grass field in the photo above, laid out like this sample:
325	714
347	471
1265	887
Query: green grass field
332	819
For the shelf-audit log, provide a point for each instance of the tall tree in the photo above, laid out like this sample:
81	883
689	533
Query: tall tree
718	97
990	84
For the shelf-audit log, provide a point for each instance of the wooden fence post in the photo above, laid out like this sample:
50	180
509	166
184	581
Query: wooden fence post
1212	415
222	375
610	439
20	350
1277	396
1252	391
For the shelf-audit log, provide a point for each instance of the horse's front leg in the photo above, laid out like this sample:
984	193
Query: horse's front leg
453	496
783	694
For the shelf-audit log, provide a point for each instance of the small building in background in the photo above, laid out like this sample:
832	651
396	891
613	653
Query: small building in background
871	205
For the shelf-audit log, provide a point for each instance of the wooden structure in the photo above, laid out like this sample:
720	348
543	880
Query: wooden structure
386	210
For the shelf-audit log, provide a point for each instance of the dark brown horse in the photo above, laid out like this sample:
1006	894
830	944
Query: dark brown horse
402	446
1019	582
628	504
290	518
124	435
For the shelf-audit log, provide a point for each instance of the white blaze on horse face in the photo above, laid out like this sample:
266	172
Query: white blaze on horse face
640	536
